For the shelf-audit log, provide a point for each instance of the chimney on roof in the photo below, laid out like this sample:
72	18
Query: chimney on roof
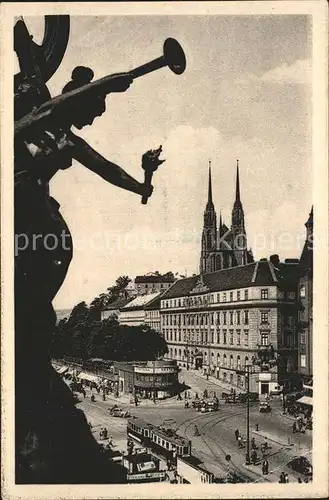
275	260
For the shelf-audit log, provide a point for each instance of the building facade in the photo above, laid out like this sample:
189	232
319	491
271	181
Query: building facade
152	314
222	247
305	310
191	470
229	319
147	379
113	310
134	312
153	282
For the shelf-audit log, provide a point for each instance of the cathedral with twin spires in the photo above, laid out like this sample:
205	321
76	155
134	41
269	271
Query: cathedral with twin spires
222	247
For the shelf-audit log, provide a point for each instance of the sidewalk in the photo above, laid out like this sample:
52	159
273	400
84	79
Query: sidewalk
275	439
211	380
125	399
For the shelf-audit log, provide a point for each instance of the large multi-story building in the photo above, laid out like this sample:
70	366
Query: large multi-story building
305	311
222	247
153	282
229	319
133	313
152	314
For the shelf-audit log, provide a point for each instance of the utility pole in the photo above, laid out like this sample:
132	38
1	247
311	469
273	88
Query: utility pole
154	399
248	416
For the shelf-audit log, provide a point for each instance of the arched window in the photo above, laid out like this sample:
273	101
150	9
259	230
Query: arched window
246	360
302	291
209	242
218	359
175	352
179	353
225	360
231	361
238	362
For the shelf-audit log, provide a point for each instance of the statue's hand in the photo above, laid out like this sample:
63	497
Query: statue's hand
145	190
150	159
120	83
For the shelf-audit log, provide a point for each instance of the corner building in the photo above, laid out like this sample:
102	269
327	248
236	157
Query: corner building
305	311
245	315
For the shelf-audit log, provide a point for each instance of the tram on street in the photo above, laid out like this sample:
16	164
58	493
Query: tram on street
161	440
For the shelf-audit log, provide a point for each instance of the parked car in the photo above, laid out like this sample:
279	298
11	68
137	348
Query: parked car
277	390
264	407
302	465
209	405
119	412
196	404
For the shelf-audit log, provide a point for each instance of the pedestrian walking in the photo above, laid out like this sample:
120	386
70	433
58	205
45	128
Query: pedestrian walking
300	480
237	434
282	478
265	467
294	428
253	444
240	444
286	478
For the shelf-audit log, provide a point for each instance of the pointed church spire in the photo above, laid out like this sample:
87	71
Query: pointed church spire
209	185
237	189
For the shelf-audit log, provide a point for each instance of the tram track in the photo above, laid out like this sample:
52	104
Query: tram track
216	450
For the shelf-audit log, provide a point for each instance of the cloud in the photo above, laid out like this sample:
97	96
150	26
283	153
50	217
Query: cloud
300	72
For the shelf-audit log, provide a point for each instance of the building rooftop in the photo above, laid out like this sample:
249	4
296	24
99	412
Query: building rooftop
196	463
154	278
155	303
260	273
118	304
140	302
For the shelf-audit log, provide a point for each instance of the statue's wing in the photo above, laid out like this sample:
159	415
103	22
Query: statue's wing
54	43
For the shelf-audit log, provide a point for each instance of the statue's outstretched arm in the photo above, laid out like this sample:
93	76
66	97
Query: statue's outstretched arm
109	171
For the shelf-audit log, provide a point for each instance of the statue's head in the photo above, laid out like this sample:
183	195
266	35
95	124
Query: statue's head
88	108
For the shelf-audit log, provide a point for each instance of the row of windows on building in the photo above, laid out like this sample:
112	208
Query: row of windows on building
167	377
236	295
220	360
153	313
224	337
218	318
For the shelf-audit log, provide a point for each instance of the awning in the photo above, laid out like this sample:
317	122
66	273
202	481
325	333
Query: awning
86	376
305	400
62	369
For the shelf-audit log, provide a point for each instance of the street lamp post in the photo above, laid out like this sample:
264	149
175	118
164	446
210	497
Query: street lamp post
246	373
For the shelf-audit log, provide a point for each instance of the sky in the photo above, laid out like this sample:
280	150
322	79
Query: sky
245	94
